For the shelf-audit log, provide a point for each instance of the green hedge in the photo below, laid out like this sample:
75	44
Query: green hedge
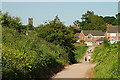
107	62
29	56
80	51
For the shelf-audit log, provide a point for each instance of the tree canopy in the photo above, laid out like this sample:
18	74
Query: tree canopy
90	21
56	32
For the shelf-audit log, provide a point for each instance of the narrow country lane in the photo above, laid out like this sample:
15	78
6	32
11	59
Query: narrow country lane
79	70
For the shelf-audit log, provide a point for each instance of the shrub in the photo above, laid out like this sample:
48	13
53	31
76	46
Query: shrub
29	56
107	62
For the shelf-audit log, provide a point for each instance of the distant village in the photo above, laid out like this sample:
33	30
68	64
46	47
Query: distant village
92	37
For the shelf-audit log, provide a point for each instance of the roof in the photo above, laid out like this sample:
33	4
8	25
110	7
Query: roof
100	39
93	32
113	29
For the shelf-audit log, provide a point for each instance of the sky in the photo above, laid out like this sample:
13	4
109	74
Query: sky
68	12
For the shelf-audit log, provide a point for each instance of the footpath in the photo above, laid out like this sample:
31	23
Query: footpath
76	71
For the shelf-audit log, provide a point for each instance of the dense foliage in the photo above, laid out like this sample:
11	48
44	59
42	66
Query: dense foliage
57	33
40	54
14	22
106	58
80	52
90	21
109	20
29	56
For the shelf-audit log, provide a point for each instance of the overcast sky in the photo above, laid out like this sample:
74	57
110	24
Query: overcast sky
68	12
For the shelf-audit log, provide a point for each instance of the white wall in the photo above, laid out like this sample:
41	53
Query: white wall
113	34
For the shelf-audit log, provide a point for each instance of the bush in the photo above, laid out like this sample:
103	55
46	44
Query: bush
80	52
29	56
107	62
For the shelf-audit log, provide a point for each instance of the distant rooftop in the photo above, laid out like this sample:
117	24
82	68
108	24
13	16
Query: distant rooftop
93	32
113	29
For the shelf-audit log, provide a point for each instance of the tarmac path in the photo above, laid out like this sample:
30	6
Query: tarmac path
79	70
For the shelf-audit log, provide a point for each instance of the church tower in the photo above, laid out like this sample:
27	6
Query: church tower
30	21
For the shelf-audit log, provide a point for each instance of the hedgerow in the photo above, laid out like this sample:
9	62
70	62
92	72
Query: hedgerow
29	56
107	61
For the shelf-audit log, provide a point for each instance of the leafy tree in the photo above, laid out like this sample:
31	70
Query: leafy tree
91	22
29	27
14	22
106	42
71	28
108	19
11	22
86	15
94	22
56	32
77	22
117	20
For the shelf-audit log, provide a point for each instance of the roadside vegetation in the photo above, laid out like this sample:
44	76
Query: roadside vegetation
106	57
40	54
80	52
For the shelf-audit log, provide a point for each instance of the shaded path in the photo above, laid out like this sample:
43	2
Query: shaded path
78	70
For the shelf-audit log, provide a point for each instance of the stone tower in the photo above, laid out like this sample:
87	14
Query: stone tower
30	21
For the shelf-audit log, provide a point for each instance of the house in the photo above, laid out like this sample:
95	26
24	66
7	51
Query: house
94	37
113	33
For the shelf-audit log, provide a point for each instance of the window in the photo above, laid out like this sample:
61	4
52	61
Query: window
89	37
112	34
112	39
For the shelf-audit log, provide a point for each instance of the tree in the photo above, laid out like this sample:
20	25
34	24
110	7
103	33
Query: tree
77	22
71	28
106	42
109	20
11	22
94	22
117	20
56	32
86	15
29	27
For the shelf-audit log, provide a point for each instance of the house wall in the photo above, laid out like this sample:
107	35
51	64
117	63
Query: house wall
93	39
119	38
114	37
82	37
106	35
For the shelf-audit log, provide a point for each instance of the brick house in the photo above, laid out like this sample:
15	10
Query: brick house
90	37
113	33
94	37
